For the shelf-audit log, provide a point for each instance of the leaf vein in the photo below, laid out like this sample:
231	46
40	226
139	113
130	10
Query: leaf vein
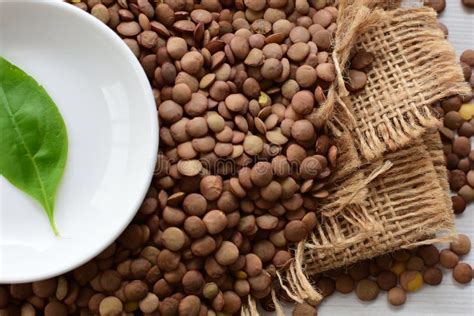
11	115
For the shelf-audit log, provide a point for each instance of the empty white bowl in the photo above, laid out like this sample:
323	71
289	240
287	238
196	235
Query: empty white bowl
110	114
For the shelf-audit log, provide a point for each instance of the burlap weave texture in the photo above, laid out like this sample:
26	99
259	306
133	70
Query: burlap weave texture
405	207
414	67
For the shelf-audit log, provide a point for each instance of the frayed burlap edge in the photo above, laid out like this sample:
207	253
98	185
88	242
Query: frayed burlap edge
354	18
352	191
295	282
249	308
396	218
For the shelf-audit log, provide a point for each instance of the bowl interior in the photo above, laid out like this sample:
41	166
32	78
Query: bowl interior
107	104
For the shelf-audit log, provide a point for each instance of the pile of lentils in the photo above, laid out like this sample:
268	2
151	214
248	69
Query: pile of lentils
243	159
399	273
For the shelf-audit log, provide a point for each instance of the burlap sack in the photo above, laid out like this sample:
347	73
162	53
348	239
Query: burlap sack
404	208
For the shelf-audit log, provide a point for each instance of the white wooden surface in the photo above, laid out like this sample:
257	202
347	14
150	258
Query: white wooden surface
449	298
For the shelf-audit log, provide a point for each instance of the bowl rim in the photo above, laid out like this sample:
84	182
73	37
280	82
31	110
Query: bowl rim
150	108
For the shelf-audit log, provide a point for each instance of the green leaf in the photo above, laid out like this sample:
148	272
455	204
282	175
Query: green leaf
33	137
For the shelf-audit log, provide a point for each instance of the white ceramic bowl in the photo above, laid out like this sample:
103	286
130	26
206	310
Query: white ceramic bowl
110	114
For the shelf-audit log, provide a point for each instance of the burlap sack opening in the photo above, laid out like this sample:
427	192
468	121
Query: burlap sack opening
404	208
414	67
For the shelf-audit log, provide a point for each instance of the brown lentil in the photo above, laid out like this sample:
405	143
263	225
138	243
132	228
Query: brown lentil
344	284
433	276
326	286
367	290
437	5
396	296
468	3
55	308
429	254
387	280
448	259
304	309
462	273
461	246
